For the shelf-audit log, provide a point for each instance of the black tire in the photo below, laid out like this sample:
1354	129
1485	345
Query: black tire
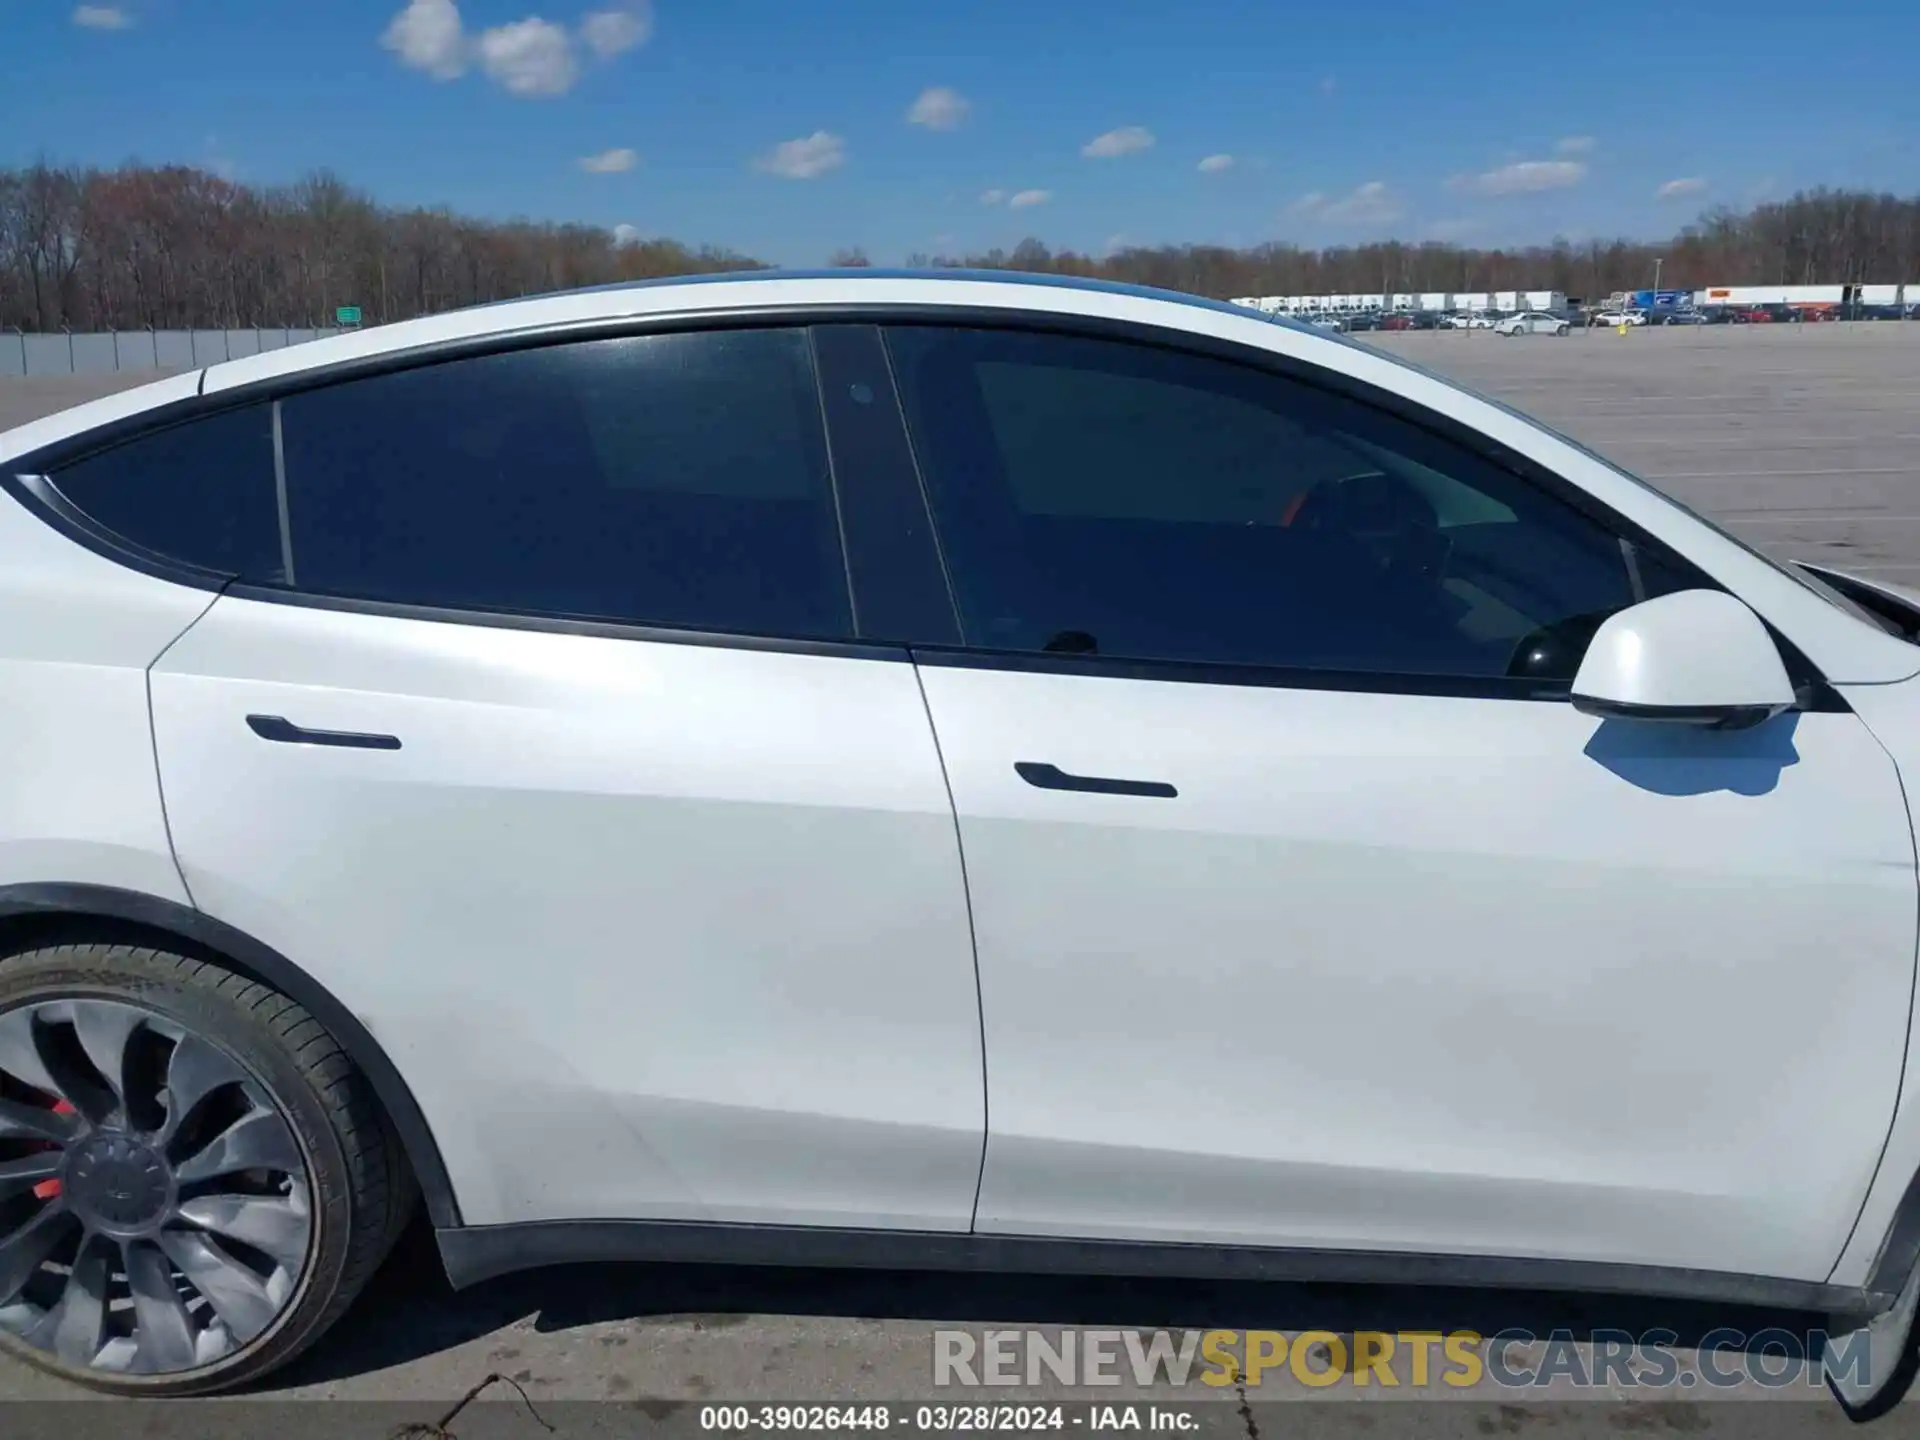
360	1192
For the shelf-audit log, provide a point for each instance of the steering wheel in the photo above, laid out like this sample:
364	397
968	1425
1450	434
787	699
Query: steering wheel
1554	652
1383	513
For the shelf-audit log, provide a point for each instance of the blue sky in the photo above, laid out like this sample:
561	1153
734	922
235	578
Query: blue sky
791	130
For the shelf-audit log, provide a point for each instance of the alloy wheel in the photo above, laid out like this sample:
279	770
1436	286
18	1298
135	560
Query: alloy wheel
155	1204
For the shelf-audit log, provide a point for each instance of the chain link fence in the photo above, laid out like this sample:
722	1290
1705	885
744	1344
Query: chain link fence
103	352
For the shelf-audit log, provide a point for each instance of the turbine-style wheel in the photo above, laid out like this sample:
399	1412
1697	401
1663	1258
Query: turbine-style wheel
193	1180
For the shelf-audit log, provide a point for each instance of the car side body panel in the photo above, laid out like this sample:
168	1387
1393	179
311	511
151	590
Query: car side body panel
652	929
80	802
1892	712
1430	973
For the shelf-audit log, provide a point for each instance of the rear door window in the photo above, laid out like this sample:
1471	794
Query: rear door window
672	480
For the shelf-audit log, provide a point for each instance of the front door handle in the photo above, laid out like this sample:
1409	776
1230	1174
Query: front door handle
283	731
1052	777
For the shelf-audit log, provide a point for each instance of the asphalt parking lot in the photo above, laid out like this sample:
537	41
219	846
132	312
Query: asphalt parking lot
1802	439
1805	440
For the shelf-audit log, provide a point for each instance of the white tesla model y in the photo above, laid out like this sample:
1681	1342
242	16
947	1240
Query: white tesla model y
889	769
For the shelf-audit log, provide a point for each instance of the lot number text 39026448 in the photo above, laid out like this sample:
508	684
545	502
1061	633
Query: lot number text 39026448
741	1419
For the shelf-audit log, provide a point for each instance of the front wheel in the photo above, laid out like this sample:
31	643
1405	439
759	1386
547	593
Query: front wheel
1563	329
194	1179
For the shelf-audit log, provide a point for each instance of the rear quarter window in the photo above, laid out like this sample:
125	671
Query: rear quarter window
201	492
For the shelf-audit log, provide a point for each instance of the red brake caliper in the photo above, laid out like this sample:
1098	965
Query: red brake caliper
47	1189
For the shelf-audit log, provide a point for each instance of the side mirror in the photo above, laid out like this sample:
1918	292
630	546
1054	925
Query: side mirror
1696	657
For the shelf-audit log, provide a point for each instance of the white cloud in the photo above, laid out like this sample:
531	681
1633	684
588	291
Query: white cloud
101	17
1124	141
625	234
1680	189
806	158
992	197
529	58
1369	204
611	32
939	108
1523	177
427	36
1024	198
608	162
1214	164
1576	145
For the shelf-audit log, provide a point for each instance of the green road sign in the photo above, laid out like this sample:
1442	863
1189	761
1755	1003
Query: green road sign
347	314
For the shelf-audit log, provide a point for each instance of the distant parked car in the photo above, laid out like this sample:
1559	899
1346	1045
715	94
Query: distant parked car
1365	320
1532	322
1397	322
1622	317
1675	316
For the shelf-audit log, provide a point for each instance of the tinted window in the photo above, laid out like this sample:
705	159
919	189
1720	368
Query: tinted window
672	480
1096	496
201	492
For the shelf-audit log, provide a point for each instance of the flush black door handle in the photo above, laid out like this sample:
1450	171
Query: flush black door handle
1052	777
283	731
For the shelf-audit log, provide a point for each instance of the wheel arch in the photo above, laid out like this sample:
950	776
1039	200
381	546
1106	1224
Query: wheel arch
33	915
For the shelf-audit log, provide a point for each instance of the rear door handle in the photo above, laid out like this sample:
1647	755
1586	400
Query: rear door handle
1052	777
284	732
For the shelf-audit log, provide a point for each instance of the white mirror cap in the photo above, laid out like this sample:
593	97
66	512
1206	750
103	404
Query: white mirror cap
1692	650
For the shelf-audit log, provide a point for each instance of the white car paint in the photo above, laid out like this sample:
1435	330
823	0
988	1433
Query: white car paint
657	930
81	800
1532	323
1688	650
1468	976
682	931
1893	714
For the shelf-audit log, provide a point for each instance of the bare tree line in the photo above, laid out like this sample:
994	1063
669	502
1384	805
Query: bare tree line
175	246
1825	237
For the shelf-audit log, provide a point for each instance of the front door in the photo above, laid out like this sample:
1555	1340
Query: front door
1309	912
658	922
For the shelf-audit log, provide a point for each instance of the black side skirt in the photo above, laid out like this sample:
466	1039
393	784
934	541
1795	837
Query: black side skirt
476	1253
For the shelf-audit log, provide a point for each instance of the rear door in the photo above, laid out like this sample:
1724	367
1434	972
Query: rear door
542	732
1309	912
